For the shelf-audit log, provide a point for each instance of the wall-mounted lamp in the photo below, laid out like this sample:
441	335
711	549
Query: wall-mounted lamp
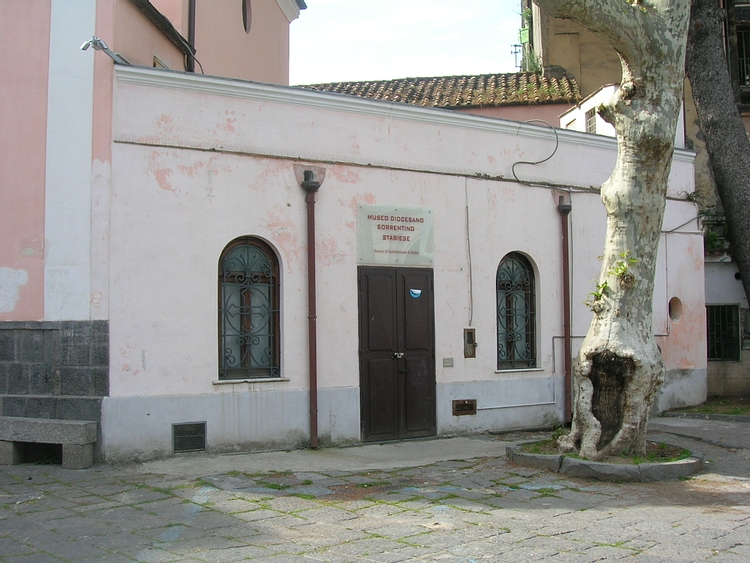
100	45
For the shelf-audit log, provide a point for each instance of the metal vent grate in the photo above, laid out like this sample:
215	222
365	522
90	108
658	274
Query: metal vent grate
189	437
464	407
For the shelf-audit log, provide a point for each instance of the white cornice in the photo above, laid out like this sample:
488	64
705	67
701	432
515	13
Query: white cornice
290	9
160	78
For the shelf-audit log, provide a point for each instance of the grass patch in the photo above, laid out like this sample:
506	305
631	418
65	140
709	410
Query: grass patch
655	453
720	405
162	490
545	492
661	453
513	486
274	486
545	447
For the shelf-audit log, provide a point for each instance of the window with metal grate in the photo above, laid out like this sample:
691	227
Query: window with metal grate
248	310
723	329
743	55
516	313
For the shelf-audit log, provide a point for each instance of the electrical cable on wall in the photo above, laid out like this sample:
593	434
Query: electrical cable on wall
557	144
468	244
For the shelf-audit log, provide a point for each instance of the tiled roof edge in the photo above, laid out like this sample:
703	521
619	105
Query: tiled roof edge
464	91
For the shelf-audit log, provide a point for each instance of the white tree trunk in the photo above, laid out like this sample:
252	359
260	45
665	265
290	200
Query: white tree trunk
619	369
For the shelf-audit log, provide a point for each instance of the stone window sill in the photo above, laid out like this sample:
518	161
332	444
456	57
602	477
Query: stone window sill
255	380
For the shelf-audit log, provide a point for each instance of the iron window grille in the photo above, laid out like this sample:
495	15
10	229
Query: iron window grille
743	55
248	311
516	313
723	329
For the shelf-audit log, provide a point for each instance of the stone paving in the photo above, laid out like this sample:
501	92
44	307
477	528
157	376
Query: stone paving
482	509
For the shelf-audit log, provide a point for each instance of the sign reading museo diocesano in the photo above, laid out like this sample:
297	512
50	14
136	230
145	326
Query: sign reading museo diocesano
394	235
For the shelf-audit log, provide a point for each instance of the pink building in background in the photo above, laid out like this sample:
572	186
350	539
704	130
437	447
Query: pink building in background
154	272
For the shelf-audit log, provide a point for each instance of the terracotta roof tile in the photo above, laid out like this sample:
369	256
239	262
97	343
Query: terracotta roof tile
471	91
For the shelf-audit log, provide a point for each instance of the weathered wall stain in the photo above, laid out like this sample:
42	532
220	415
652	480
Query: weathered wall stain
284	234
354	203
33	248
160	172
354	144
191	170
10	282
126	353
329	252
165	124
344	174
96	299
229	125
363	199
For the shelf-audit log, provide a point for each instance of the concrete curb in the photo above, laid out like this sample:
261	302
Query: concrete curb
534	461
618	472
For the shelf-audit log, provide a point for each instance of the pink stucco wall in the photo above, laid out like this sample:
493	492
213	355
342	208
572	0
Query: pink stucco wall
546	112
224	49
23	115
176	11
139	40
160	193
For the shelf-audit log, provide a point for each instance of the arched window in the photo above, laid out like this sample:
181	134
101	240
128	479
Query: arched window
516	312
248	310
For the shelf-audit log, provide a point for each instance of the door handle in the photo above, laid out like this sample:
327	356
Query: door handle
398	355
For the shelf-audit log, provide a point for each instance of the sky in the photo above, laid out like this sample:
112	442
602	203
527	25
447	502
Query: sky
353	40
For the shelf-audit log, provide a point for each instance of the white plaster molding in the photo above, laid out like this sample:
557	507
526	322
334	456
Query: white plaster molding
312	156
160	78
67	218
290	9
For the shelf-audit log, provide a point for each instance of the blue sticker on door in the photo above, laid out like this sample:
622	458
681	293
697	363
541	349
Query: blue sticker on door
415	293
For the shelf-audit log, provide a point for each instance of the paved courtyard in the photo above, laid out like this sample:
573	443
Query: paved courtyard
451	510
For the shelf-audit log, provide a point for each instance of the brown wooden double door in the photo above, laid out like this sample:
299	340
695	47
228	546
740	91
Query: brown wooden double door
396	353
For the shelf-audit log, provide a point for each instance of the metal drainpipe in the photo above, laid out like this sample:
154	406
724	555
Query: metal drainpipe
565	209
311	187
191	35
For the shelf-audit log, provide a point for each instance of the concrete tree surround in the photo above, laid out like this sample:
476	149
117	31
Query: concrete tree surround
618	472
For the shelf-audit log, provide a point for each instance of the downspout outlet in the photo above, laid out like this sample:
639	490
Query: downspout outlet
309	184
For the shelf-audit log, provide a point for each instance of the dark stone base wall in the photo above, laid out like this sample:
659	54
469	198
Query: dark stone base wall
54	369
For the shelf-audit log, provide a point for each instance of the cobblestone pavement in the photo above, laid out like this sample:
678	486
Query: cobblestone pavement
482	509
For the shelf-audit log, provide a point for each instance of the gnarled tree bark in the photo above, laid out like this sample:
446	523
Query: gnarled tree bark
619	369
